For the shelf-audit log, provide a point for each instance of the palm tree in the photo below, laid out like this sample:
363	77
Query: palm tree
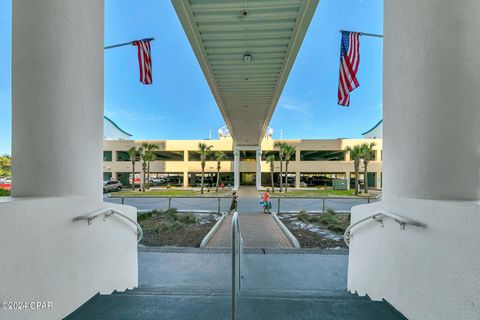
5	165
146	156
150	157
289	151
132	152
367	156
270	161
281	155
356	154
219	155
204	153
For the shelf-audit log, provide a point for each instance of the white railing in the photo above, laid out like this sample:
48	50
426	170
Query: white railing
237	269
378	217
107	213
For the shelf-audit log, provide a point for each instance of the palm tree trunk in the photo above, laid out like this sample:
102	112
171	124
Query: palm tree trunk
365	177
133	175
218	179
356	179
144	169
286	177
148	175
201	179
271	177
281	174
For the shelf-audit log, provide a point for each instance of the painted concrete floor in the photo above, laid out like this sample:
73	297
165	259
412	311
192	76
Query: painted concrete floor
193	284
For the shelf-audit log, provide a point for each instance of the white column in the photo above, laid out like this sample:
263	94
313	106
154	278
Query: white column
431	100
236	172
57	96
347	176
258	176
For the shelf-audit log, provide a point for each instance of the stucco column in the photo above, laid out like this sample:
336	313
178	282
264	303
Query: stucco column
258	176
185	179
431	113
236	173
347	176
57	97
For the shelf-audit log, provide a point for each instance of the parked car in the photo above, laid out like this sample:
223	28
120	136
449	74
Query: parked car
157	181
112	185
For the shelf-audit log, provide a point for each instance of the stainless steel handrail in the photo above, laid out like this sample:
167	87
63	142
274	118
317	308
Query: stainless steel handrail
107	213
236	278
378	217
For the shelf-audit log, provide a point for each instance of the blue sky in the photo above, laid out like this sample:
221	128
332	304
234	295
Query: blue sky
179	105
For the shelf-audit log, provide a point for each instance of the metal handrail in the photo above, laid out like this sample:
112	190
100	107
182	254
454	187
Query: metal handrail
236	231
378	217
107	213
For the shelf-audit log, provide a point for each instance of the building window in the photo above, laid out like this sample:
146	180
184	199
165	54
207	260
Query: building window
124	156
322	155
168	155
107	155
266	153
195	156
319	179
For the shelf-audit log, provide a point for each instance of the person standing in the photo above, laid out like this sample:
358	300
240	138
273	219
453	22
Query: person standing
233	206
267	205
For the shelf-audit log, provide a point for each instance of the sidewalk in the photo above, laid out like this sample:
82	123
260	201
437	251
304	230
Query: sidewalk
259	231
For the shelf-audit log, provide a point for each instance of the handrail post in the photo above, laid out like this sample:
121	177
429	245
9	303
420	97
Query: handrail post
278	205
123	200
234	268
218	205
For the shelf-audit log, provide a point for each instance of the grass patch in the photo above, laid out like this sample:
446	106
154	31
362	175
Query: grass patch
329	219
170	193
4	193
316	193
172	228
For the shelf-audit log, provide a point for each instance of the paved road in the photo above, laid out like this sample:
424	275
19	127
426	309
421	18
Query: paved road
244	204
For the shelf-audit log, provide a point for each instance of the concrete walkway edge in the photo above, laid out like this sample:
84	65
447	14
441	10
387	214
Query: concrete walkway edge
286	231
212	231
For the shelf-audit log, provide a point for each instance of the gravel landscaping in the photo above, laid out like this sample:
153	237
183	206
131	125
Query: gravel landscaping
323	231
171	228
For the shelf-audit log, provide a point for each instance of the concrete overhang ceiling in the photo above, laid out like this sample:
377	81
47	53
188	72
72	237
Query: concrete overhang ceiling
246	50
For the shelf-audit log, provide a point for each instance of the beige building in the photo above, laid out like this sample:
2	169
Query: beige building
316	163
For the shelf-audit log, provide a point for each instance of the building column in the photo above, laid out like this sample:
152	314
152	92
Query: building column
297	179
185	179
347	176
431	113
258	179
236	173
57	98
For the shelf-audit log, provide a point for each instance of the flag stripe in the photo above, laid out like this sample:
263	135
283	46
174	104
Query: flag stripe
349	63
144	61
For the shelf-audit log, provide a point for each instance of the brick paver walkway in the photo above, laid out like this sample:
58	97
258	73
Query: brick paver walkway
259	230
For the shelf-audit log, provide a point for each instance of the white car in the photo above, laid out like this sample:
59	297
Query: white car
112	185
6	180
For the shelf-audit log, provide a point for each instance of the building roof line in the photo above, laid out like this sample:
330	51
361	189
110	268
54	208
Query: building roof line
116	126
374	127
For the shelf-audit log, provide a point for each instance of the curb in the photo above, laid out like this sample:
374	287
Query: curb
287	232
212	231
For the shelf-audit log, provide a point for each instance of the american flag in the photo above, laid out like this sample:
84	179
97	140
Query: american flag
349	61
144	60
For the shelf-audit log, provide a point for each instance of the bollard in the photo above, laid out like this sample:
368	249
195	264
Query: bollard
169	203
368	200
218	205
123	200
278	206
323	205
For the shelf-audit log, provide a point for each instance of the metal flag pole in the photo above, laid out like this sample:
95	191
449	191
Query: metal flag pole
126	43
365	34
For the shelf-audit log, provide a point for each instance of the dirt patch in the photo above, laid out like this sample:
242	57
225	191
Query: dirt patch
171	228
317	231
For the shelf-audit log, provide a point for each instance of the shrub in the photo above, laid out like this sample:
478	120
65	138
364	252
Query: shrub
4	193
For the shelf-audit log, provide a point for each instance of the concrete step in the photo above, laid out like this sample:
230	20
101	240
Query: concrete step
200	303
